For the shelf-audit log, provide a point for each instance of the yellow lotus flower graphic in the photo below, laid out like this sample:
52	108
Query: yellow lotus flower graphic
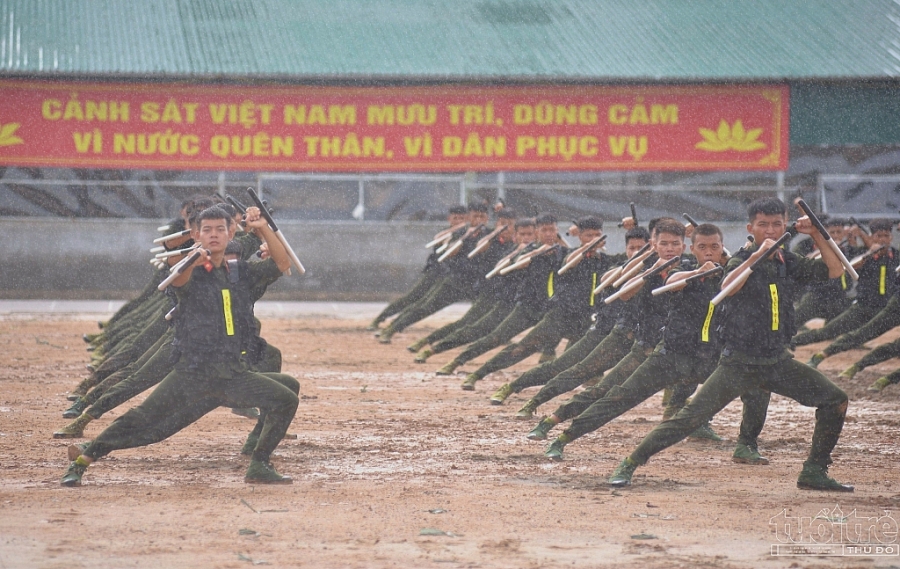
730	138
8	134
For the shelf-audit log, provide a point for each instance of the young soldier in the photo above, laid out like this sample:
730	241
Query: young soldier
887	318
611	351
829	299
876	285
650	313
571	301
126	337
604	319
687	354
158	362
431	274
213	329
500	291
462	274
530	298
757	329
500	246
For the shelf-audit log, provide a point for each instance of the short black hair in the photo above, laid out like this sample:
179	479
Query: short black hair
194	198
525	222
214	212
199	204
589	222
479	207
506	214
881	224
707	229
457	210
834	222
669	226
546	219
655	223
229	209
637	233
766	206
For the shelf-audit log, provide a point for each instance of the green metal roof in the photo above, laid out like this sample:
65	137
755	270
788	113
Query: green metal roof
591	40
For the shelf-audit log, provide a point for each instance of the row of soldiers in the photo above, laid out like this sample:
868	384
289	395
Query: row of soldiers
655	318
192	335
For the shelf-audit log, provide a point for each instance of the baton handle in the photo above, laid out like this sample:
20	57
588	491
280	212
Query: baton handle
237	205
171	236
684	282
264	211
861	228
742	277
178	269
578	254
690	219
608	280
831	244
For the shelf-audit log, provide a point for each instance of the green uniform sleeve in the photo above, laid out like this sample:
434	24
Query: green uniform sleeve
732	264
807	271
263	274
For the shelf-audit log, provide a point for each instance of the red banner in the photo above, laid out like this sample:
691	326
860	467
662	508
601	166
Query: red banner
377	129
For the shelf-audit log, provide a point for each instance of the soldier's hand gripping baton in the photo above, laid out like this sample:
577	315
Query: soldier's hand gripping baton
180	268
641	279
684	282
861	228
858	260
505	261
831	244
171	236
525	260
633	268
264	211
455	246
633	215
445	235
578	254
486	240
617	273
742	277
175	253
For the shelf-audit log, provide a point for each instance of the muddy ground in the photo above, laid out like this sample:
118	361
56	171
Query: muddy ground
387	454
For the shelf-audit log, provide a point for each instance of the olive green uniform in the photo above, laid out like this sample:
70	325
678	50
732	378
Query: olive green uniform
876	285
686	356
210	371
757	328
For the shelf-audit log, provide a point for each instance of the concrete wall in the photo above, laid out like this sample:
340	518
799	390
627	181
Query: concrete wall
101	258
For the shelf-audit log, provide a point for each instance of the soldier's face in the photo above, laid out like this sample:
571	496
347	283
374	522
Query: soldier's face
765	226
669	245
477	218
547	233
213	234
837	233
707	248
525	235
882	237
633	246
588	235
455	219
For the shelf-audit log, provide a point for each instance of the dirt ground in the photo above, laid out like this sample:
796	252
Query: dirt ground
395	467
